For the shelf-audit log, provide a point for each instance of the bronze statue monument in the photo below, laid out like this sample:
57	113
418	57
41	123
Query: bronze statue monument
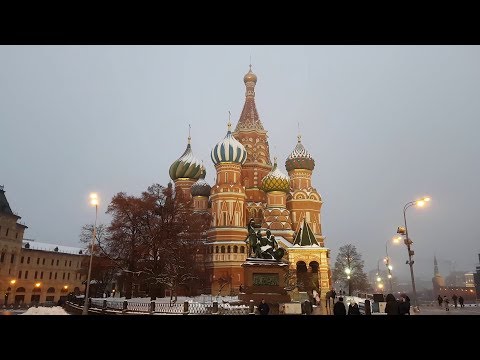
262	247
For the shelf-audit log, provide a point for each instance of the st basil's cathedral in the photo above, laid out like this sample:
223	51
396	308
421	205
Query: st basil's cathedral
248	186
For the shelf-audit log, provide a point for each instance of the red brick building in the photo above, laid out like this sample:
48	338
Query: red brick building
248	186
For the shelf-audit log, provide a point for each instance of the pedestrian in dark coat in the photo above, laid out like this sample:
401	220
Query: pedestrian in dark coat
454	298
404	305
440	300
392	307
339	307
460	301
263	308
353	309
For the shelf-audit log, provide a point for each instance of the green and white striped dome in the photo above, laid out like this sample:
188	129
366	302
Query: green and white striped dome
229	150
186	166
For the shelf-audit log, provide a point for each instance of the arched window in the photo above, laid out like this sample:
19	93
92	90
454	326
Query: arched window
51	290
302	276
228	249
314	265
235	249
222	249
37	290
216	249
21	289
242	249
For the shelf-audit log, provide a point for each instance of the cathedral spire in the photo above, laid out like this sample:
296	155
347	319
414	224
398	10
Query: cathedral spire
249	119
435	266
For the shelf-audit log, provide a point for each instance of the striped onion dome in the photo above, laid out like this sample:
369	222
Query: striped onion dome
300	158
275	180
201	187
186	166
229	150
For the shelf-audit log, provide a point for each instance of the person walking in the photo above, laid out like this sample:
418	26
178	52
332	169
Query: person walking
460	300
353	309
391	308
455	299
263	308
328	295
446	301
440	300
404	305
339	307
333	294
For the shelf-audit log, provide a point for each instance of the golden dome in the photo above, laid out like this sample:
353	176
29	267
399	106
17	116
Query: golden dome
250	76
275	180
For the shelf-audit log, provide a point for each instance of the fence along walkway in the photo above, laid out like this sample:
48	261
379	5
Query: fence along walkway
151	307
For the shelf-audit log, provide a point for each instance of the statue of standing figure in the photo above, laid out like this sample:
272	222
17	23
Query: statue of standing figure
252	240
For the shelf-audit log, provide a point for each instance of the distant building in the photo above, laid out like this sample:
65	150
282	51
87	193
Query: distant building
458	285
33	272
469	279
476	277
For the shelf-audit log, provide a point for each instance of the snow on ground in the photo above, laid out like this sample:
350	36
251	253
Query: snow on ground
42	310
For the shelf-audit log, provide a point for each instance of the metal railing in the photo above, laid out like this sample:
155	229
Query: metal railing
155	307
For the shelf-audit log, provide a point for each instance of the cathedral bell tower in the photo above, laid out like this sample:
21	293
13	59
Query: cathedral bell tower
251	134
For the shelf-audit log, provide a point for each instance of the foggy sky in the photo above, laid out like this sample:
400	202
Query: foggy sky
385	125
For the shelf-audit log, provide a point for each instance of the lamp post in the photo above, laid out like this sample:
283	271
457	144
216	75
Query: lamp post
94	202
387	262
404	231
12	286
378	277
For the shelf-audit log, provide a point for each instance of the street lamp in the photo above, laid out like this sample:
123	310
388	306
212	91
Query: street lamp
404	231
94	202
12	286
387	261
378	277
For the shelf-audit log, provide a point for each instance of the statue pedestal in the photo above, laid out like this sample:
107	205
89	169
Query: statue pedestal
265	279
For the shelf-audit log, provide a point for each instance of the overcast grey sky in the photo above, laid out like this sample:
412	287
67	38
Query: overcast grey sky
385	125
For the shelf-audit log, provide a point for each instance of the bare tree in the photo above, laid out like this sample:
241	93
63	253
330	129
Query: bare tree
349	269
155	238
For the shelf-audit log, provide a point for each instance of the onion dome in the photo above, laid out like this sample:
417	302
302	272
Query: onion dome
300	158
187	166
250	76
229	150
201	187
275	180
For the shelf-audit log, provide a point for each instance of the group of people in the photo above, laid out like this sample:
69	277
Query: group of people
397	307
340	309
456	300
